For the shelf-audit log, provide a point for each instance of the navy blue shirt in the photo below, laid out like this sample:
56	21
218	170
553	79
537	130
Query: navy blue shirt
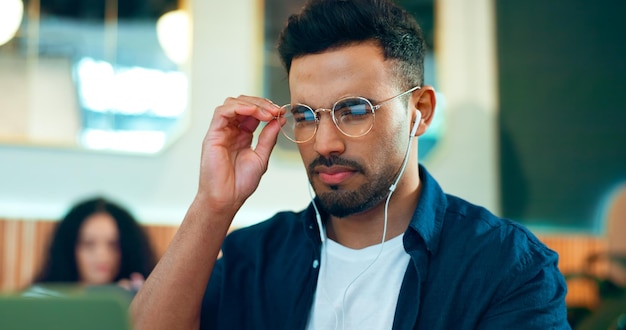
469	270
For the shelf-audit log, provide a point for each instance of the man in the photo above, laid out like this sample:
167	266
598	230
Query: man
381	246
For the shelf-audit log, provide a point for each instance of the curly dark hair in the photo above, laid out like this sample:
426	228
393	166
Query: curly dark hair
136	251
326	24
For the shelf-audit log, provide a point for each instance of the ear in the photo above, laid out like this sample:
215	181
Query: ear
424	101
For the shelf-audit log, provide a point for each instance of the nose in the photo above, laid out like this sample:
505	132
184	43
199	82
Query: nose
102	252
328	138
106	252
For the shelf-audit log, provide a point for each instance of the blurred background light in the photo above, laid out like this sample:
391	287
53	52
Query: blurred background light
11	12
128	141
131	90
173	34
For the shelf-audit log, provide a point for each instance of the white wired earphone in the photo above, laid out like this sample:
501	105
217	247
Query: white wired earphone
392	188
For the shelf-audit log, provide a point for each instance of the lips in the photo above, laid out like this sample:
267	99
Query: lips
103	269
334	175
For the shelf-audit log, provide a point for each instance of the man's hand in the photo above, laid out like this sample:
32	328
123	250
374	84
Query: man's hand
231	168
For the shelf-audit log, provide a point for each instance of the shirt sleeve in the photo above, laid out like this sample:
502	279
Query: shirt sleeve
532	294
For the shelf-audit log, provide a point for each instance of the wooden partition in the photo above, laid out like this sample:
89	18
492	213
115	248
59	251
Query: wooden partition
23	244
573	251
21	250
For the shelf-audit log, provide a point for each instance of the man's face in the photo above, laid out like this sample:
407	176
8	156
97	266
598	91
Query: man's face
351	174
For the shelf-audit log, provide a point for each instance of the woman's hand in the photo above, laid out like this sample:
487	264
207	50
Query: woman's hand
132	284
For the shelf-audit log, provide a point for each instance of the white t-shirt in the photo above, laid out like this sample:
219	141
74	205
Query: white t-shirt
354	293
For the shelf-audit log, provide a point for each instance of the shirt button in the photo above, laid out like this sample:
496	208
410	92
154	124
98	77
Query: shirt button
315	263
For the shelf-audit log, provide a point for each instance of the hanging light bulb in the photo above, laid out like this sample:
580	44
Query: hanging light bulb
173	34
11	12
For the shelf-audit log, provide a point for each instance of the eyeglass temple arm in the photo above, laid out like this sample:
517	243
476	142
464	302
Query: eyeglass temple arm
397	96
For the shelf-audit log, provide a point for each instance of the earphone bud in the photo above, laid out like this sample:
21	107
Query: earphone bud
418	118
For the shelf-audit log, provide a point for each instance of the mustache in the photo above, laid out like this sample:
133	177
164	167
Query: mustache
334	160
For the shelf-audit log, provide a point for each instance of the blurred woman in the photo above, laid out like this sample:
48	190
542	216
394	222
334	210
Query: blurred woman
98	242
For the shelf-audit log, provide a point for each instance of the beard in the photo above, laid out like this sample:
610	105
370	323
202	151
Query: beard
342	203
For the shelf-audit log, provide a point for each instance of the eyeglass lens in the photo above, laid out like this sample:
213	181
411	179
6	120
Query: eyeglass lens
353	117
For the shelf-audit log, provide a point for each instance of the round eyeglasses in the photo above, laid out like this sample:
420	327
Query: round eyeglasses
353	116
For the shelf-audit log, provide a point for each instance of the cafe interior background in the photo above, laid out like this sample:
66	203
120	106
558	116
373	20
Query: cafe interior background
113	98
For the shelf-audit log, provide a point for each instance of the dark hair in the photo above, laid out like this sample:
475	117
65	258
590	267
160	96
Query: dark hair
328	24
135	249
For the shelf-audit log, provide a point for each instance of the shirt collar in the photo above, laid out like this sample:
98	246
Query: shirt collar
429	214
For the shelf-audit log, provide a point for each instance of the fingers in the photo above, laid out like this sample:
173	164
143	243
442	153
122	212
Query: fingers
248	106
133	284
267	140
136	281
239	117
125	284
231	167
